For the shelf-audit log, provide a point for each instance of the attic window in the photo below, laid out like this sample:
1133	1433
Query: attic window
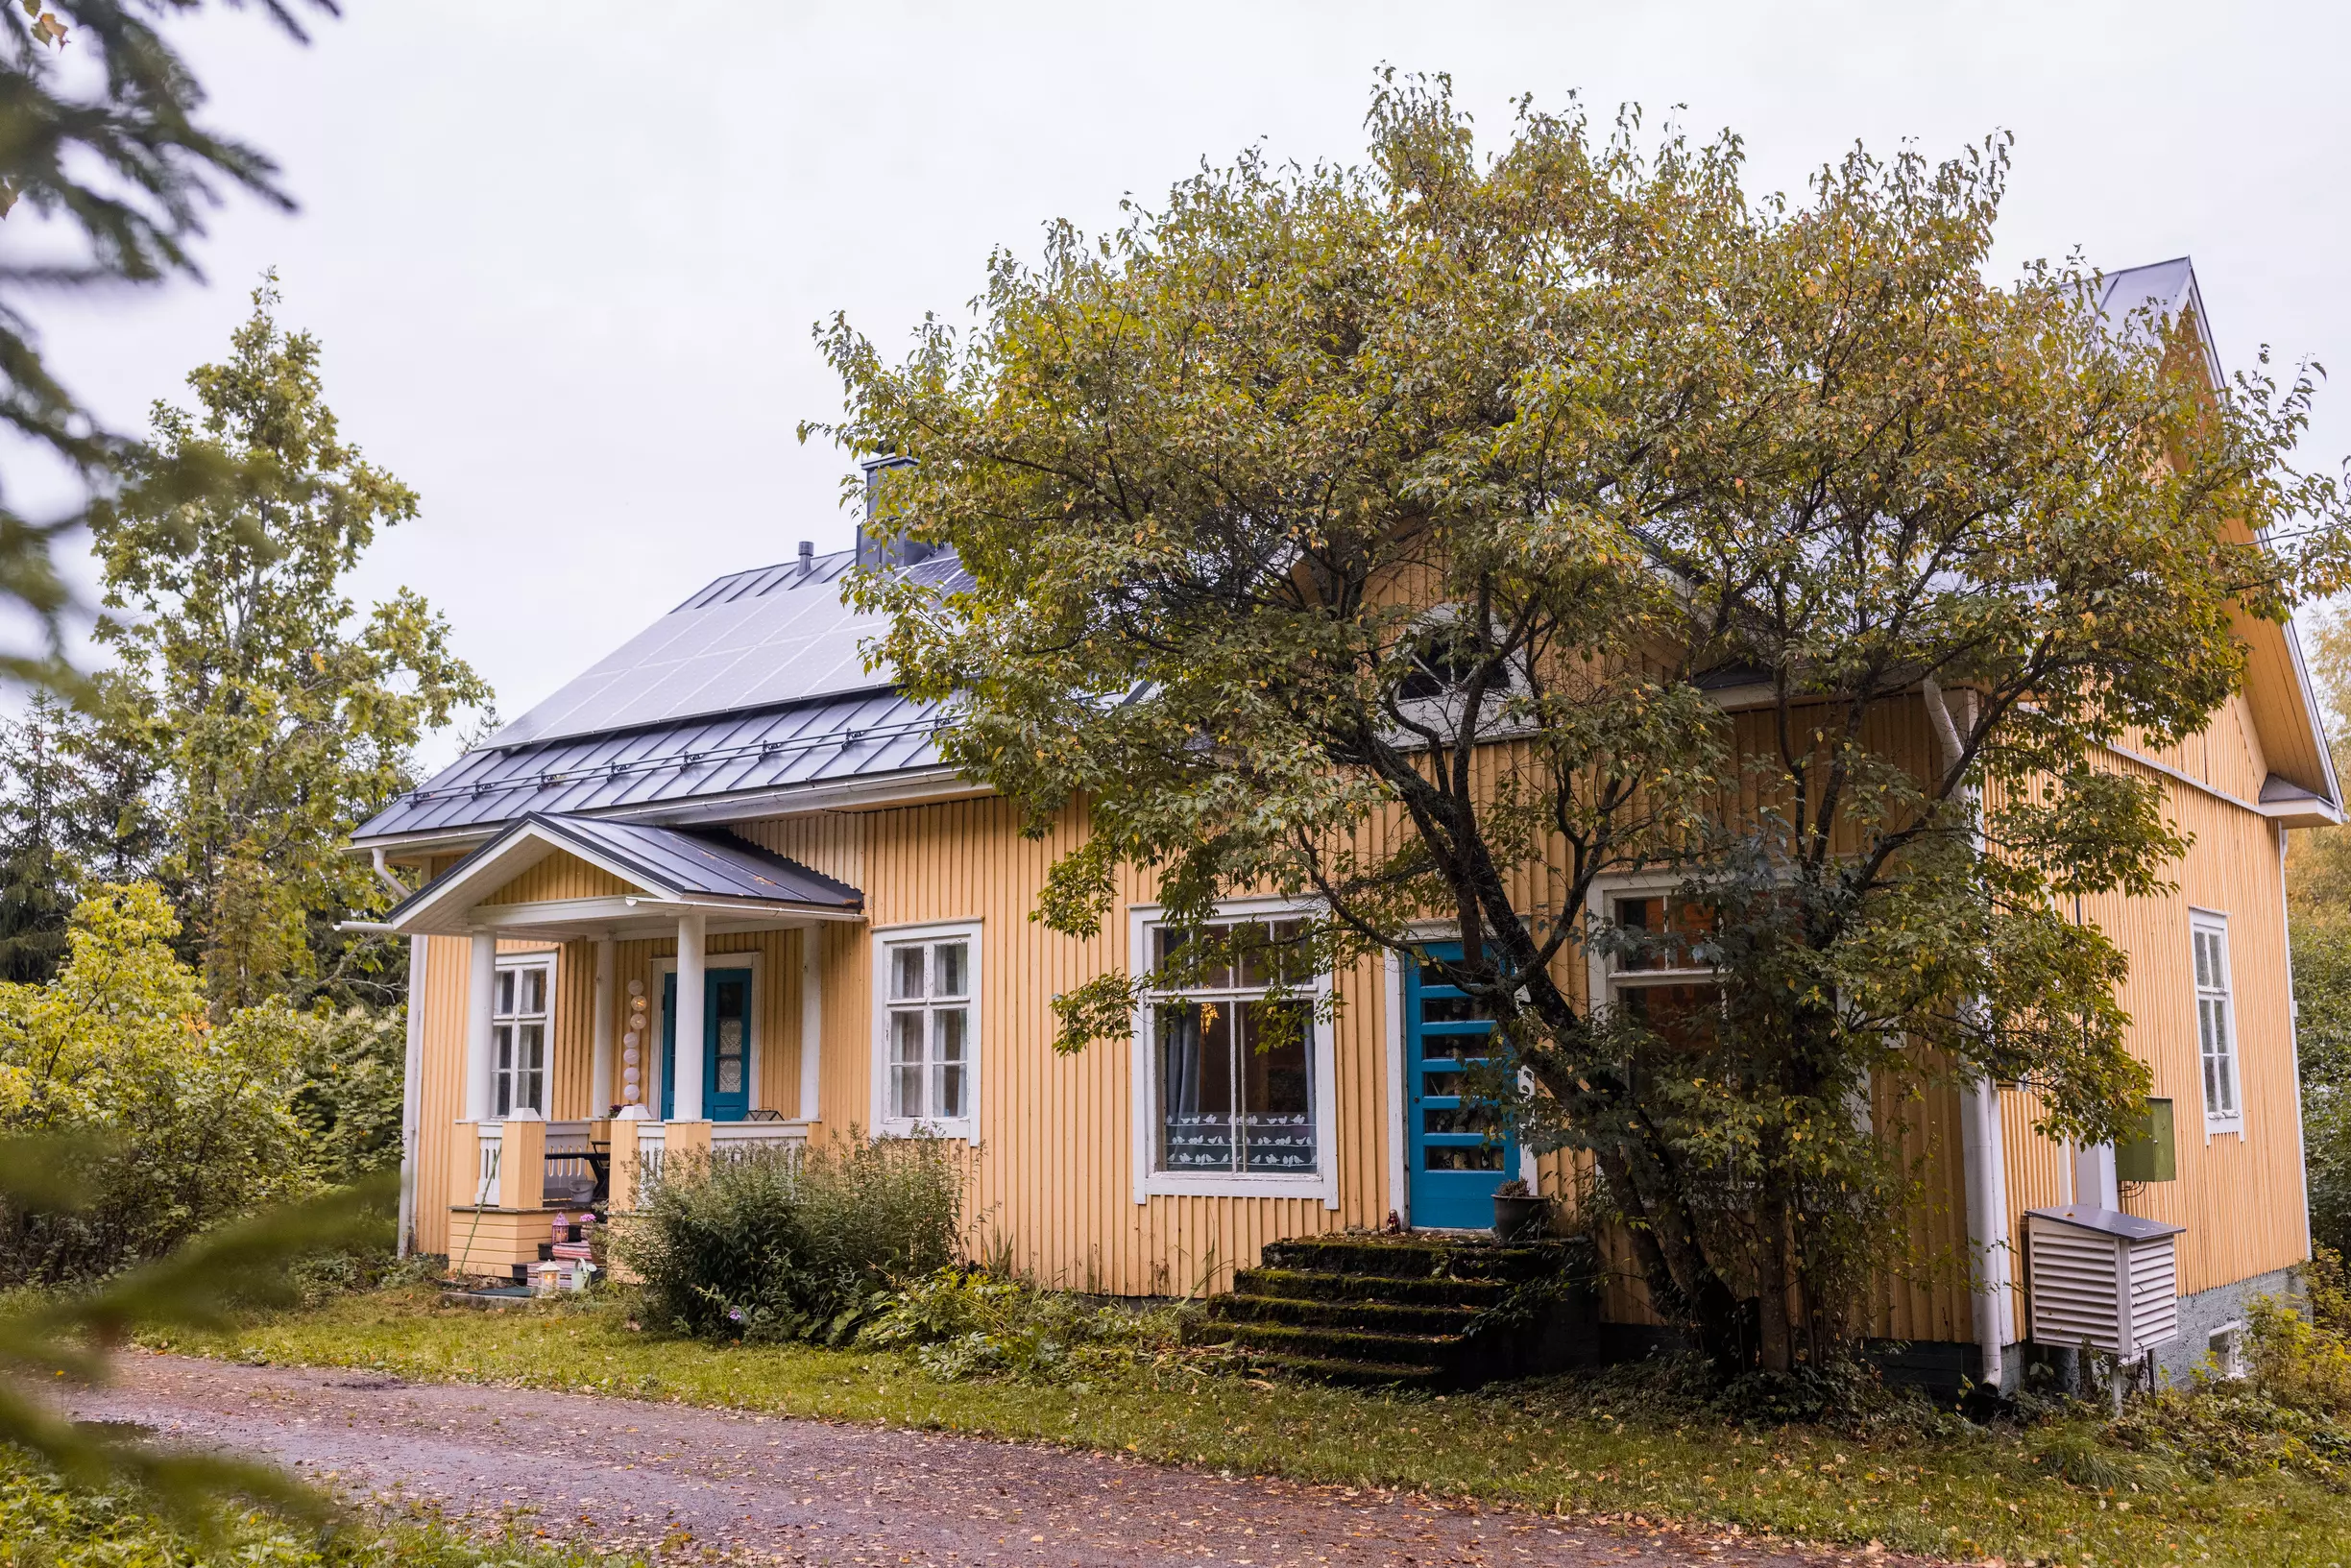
1445	656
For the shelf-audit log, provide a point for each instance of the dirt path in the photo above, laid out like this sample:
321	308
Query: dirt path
627	1474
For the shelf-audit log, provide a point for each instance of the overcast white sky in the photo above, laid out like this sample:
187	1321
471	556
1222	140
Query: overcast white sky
564	256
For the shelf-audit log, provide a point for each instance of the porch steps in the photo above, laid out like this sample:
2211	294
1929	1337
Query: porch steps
1409	1311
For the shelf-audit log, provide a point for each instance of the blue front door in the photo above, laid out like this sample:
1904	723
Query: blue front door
726	1045
1458	1149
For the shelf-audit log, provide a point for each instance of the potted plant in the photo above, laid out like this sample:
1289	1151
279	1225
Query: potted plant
1519	1211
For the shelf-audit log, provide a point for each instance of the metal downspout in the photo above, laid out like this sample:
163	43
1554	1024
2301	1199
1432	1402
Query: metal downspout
1983	1146
412	1094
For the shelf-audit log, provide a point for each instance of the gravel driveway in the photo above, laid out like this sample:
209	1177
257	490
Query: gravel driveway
626	1474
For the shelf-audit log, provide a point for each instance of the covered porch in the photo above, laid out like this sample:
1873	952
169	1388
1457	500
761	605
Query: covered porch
598	955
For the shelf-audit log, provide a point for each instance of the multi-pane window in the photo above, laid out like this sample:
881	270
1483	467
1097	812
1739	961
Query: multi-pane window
929	995
519	1037
1663	983
1235	1066
2216	1018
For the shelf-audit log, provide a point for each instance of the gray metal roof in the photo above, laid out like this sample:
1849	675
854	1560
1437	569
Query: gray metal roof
2166	288
754	684
850	737
750	639
711	862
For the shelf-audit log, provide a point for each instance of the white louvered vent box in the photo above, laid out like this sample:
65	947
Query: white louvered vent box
2102	1279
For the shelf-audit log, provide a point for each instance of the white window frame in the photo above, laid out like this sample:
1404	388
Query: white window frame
2232	1363
501	1078
1149	1183
666	966
967	1125
2221	999
1606	979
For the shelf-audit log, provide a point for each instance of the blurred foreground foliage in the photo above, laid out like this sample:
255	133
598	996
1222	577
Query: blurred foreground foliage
165	1123
46	1337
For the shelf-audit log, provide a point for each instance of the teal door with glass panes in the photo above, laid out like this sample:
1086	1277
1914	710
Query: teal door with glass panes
726	1045
1458	1149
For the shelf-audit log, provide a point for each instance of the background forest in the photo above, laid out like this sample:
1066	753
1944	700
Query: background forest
179	995
2318	895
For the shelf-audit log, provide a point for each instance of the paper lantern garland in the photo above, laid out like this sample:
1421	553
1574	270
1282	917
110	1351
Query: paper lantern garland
632	1089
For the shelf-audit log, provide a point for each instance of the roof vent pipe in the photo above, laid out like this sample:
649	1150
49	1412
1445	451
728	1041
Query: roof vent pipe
808	556
881	541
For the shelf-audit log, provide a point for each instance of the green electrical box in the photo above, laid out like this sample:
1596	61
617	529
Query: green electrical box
2152	1155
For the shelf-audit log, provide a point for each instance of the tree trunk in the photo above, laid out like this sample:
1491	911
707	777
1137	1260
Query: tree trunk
1776	1352
1682	1281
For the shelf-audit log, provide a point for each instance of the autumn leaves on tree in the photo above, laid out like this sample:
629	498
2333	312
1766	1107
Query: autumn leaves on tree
1386	536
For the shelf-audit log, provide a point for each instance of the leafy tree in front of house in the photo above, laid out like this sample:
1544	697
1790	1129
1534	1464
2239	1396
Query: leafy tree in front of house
351	1090
1400	537
278	713
181	1124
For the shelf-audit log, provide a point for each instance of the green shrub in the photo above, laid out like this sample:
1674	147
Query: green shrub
963	1322
349	1067
2291	1411
180	1123
792	1244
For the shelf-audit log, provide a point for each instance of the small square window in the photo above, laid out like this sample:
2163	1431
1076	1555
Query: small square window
2225	1348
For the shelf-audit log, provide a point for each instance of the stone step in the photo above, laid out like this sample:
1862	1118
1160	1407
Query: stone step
1355	1374
1303	1284
1416	1258
1361	1316
1438	1352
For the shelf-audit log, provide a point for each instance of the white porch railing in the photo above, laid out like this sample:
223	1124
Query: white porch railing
491	1143
741	1137
652	1146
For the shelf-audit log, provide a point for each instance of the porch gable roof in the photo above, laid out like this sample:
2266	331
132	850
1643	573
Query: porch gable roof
674	868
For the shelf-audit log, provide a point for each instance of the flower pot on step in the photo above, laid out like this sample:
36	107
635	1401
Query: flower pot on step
1521	1217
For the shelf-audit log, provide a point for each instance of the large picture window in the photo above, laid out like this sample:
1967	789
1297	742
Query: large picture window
518	1019
927	1007
2216	1022
1234	1069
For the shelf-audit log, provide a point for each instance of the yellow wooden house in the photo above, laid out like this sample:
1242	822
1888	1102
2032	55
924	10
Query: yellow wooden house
720	891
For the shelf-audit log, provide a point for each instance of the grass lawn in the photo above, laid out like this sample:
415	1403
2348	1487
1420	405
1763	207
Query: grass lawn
1560	1444
43	1525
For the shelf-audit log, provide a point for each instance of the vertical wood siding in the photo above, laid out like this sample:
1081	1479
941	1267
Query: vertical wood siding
2240	1194
561	875
1053	1176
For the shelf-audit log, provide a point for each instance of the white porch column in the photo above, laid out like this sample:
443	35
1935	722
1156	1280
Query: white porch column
481	1003
812	1020
412	1092
600	1053
686	1103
